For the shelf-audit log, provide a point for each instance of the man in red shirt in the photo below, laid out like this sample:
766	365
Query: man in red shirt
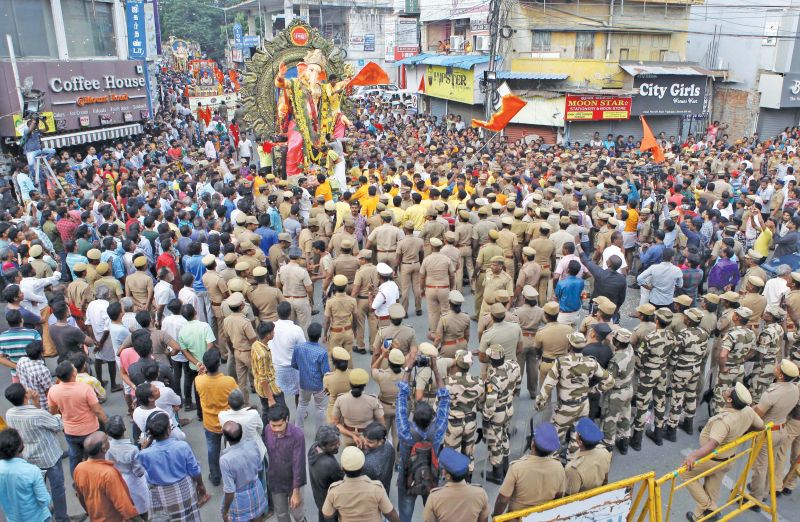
100	487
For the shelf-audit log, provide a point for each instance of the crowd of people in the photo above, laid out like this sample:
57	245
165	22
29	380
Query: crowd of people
182	271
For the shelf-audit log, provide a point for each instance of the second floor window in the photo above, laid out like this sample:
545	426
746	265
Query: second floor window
584	46
541	41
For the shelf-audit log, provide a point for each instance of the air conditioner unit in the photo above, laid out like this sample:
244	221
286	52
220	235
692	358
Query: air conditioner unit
456	43
483	43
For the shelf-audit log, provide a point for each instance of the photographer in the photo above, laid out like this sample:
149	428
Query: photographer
31	143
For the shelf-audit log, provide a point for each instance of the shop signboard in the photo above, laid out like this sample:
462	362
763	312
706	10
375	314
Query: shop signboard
668	94
450	83
594	108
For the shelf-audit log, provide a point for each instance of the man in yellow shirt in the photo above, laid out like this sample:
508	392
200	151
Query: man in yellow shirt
369	203
342	210
323	188
362	191
629	232
416	212
765	238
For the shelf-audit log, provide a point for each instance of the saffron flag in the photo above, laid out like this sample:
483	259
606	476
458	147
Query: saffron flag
421	87
234	80
649	142
371	74
511	105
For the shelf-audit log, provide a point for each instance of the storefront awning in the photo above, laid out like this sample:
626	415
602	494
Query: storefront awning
664	68
88	136
511	75
460	61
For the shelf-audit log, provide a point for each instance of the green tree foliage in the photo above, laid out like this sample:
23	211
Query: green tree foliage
196	20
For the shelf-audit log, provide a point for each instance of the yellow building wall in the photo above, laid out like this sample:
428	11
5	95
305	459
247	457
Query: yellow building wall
600	73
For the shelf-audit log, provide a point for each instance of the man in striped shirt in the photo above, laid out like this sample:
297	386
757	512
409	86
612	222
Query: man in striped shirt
14	340
33	373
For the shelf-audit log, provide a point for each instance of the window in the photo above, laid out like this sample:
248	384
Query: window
624	53
541	41
659	46
30	24
89	26
584	46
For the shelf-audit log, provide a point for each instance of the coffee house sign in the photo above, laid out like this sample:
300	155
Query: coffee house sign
79	83
668	94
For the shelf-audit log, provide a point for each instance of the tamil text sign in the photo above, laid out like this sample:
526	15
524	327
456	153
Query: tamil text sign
137	37
586	108
450	83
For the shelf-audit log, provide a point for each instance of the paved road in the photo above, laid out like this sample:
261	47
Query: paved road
659	459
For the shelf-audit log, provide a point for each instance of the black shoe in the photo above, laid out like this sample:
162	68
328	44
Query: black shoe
708	512
495	476
686	426
656	436
314	312
622	446
755	509
360	350
786	491
419	313
671	434
636	441
505	465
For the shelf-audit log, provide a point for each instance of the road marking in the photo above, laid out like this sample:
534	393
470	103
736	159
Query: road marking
729	484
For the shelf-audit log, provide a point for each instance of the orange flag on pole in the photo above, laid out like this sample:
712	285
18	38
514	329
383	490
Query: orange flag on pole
370	74
511	105
421	87
649	142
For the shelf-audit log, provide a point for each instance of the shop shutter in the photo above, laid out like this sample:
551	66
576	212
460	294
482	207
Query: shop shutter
771	122
516	131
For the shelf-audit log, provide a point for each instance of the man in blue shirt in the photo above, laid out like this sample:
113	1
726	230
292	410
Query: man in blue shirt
653	254
23	494
568	294
268	236
422	428
310	359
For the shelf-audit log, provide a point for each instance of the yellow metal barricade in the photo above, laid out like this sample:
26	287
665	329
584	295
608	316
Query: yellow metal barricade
643	494
749	447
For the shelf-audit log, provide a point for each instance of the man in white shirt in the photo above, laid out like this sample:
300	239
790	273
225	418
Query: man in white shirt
32	288
245	151
614	249
388	292
247	417
188	295
210	150
163	293
777	287
287	336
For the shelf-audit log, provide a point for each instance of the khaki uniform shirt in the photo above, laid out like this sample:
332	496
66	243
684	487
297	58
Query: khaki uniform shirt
755	302
79	293
357	412
505	333
508	242
216	286
341	310
456	502
277	257
587	470
403	337
41	268
357	500
386	237
366	277
265	299
485	254
335	383
533	480
139	284
113	285
240	331
387	381
530	320
545	252
529	274
778	401
437	269
409	249
728	425
91	274
551	340
336	241
294	279
452	327
346	265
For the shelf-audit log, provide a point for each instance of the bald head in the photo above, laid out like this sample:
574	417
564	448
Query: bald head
236	399
232	431
96	445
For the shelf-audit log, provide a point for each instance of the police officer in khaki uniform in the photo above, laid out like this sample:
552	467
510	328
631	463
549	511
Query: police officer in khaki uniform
507	240
41	268
357	498
531	317
387	379
93	255
437	276
243	274
396	335
242	336
354	411
457	500
529	273
431	229
452	332
295	283
464	244
139	286
115	292
277	253
340	315
486	253
496	278
343	264
545	257
217	289
589	468
408	258
228	272
365	285
264	297
337	382
385	239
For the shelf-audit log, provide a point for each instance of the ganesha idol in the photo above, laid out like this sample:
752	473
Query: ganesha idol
309	111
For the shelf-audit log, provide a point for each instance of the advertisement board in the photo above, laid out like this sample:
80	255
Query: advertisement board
137	37
76	90
790	93
593	108
668	94
450	83
369	42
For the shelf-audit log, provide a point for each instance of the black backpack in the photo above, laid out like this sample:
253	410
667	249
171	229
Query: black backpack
422	466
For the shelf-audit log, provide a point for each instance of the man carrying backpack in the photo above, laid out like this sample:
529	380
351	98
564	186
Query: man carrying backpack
420	442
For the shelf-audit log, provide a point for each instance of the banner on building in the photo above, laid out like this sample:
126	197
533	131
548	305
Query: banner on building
594	108
450	83
790	92
668	94
369	42
238	35
137	39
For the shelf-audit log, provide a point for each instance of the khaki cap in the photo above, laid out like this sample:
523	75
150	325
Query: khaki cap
139	262
431	212
236	285
711	298
246	245
483	211
259	271
102	268
396	356
789	369
551	308
80	267
330	206
347	243
230	259
605	305
283	236
251	220
684	300
436	242
241	266
528	251
365	254
497	259
752	254
775	311
494	234
340	354
358	377
408	225
529	292
396	311
518	212
236	299
386	214
732	297
340	280
694	314
576	340
497	310
507	220
93	254
209	259
450	235
743	394
455	297
463	214
241	218
646	309
352	459
36	251
756	281
428	349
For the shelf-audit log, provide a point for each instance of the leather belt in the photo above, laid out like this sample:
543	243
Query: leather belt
385	251
545	266
575	402
458	421
528	334
362	297
338	329
295	297
437	286
383	318
510	257
778	427
453	341
410	262
215	304
388	403
548	359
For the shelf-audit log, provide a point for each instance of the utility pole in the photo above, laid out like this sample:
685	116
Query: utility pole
495	26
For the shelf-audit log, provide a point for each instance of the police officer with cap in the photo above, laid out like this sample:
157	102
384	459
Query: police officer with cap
536	478
357	498
589	469
457	500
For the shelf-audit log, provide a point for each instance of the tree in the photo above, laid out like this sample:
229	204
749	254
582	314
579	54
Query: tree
197	21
